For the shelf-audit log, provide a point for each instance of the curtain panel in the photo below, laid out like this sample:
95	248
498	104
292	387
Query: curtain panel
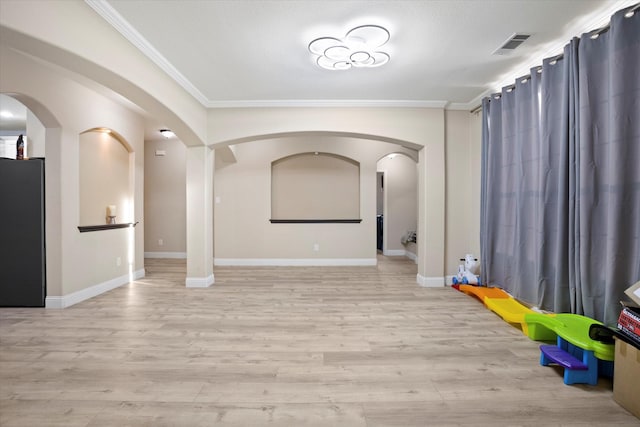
608	164
560	186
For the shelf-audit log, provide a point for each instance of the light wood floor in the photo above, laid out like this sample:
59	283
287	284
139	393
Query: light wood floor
348	346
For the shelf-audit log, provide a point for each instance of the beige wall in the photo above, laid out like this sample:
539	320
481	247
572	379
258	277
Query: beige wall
35	132
165	198
401	201
412	127
243	232
475	159
76	261
463	144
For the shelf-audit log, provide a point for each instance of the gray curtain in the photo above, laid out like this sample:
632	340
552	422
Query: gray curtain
560	209
608	200
525	189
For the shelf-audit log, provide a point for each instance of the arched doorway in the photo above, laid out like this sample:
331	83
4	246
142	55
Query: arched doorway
397	205
23	279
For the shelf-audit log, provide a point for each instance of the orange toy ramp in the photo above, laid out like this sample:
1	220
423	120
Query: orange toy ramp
508	308
482	292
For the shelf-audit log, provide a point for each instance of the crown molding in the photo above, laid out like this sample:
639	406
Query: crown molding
591	22
471	105
109	14
117	21
301	103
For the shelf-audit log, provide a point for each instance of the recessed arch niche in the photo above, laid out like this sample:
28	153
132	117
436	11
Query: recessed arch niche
105	177
315	187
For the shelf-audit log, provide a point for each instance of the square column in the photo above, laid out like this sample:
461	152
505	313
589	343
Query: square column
431	216
199	217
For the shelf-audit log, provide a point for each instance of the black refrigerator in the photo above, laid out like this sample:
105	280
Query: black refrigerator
22	232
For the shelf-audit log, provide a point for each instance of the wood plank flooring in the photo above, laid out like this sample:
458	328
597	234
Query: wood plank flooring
344	346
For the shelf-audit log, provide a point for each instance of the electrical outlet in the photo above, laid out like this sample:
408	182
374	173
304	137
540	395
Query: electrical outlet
316	247
118	261
160	242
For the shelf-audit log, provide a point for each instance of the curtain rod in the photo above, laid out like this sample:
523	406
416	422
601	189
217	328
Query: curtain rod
476	109
556	58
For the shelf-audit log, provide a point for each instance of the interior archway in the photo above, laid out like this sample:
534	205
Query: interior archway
50	140
397	205
302	244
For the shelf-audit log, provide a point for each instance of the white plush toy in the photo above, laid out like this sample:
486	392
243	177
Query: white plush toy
468	273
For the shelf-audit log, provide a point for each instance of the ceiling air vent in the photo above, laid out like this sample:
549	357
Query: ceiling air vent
511	44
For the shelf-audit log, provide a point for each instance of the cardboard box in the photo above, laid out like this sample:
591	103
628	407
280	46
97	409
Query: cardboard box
634	292
626	387
629	321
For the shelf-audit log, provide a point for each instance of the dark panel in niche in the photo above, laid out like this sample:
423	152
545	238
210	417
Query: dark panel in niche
87	228
315	221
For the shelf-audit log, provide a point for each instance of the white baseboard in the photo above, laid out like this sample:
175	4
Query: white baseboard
394	252
401	252
178	255
65	301
199	282
449	280
297	262
430	282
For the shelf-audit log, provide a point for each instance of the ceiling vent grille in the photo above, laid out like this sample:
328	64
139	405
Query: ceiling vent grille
511	44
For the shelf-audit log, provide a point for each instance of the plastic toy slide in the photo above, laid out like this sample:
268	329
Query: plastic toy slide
507	307
574	329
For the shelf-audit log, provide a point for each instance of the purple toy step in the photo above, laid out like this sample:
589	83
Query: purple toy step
557	355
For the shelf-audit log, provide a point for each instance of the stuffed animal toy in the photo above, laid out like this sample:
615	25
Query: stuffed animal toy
468	273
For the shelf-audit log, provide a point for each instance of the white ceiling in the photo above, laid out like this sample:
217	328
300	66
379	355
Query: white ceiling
254	53
231	53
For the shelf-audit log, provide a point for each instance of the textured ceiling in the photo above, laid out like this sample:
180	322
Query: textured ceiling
249	52
254	52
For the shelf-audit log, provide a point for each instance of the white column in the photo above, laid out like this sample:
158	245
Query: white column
431	214
199	217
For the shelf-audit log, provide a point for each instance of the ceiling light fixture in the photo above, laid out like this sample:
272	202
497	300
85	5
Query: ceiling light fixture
358	48
167	133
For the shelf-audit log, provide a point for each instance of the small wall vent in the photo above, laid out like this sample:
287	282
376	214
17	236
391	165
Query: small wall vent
511	44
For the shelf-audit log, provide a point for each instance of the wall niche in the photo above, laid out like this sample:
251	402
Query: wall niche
106	184
315	187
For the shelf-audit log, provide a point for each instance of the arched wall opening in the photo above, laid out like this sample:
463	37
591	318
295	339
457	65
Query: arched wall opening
117	65
79	264
243	251
397	205
46	137
420	129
